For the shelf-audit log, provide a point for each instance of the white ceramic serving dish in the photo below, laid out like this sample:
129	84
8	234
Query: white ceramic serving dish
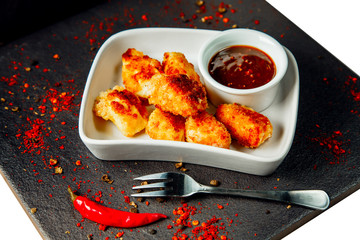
258	98
105	141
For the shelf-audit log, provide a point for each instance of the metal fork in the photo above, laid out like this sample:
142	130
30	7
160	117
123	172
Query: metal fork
182	185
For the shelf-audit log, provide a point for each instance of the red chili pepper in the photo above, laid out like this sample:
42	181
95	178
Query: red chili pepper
109	216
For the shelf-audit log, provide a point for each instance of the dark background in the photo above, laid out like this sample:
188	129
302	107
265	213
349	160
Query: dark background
21	17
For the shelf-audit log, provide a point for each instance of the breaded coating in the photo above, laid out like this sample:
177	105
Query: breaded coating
123	108
205	129
247	126
176	63
137	70
178	94
166	126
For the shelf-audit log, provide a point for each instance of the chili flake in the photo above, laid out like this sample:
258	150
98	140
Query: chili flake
127	199
119	234
53	161
195	222
144	17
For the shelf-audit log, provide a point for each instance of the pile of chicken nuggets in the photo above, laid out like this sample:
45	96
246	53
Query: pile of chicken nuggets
180	101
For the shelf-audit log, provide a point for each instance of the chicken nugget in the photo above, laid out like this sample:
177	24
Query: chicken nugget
137	70
176	63
247	126
123	108
165	126
205	129
178	94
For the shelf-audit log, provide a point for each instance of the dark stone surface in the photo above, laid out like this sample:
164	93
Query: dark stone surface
328	118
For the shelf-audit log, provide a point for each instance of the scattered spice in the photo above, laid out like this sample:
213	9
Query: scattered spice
178	165
214	183
334	144
33	210
222	9
134	210
53	161
58	170
195	222
132	203
208	229
105	178
15	109
199	3
127	199
119	234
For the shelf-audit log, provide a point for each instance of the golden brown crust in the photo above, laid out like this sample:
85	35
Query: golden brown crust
123	108
205	129
247	126
137	70
178	94
165	126
176	63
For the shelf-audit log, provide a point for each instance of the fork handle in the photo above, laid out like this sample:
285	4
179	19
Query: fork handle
315	199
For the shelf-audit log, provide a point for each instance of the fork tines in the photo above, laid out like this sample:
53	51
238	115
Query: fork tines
153	185
156	176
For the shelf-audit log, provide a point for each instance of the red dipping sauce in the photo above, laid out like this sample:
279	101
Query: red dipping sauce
242	67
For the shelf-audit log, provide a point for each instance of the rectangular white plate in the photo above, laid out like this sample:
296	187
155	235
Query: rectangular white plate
105	141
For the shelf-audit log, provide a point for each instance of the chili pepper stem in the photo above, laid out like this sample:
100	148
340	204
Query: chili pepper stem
72	194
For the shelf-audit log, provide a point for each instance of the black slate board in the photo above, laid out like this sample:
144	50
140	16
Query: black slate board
323	156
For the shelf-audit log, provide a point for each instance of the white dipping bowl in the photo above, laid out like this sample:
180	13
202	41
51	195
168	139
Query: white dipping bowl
257	98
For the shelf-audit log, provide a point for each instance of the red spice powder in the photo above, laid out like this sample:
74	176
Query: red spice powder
210	229
127	199
335	146
33	136
352	83
144	17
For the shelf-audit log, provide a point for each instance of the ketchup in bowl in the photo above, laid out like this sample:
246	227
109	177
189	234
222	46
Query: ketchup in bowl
242	67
